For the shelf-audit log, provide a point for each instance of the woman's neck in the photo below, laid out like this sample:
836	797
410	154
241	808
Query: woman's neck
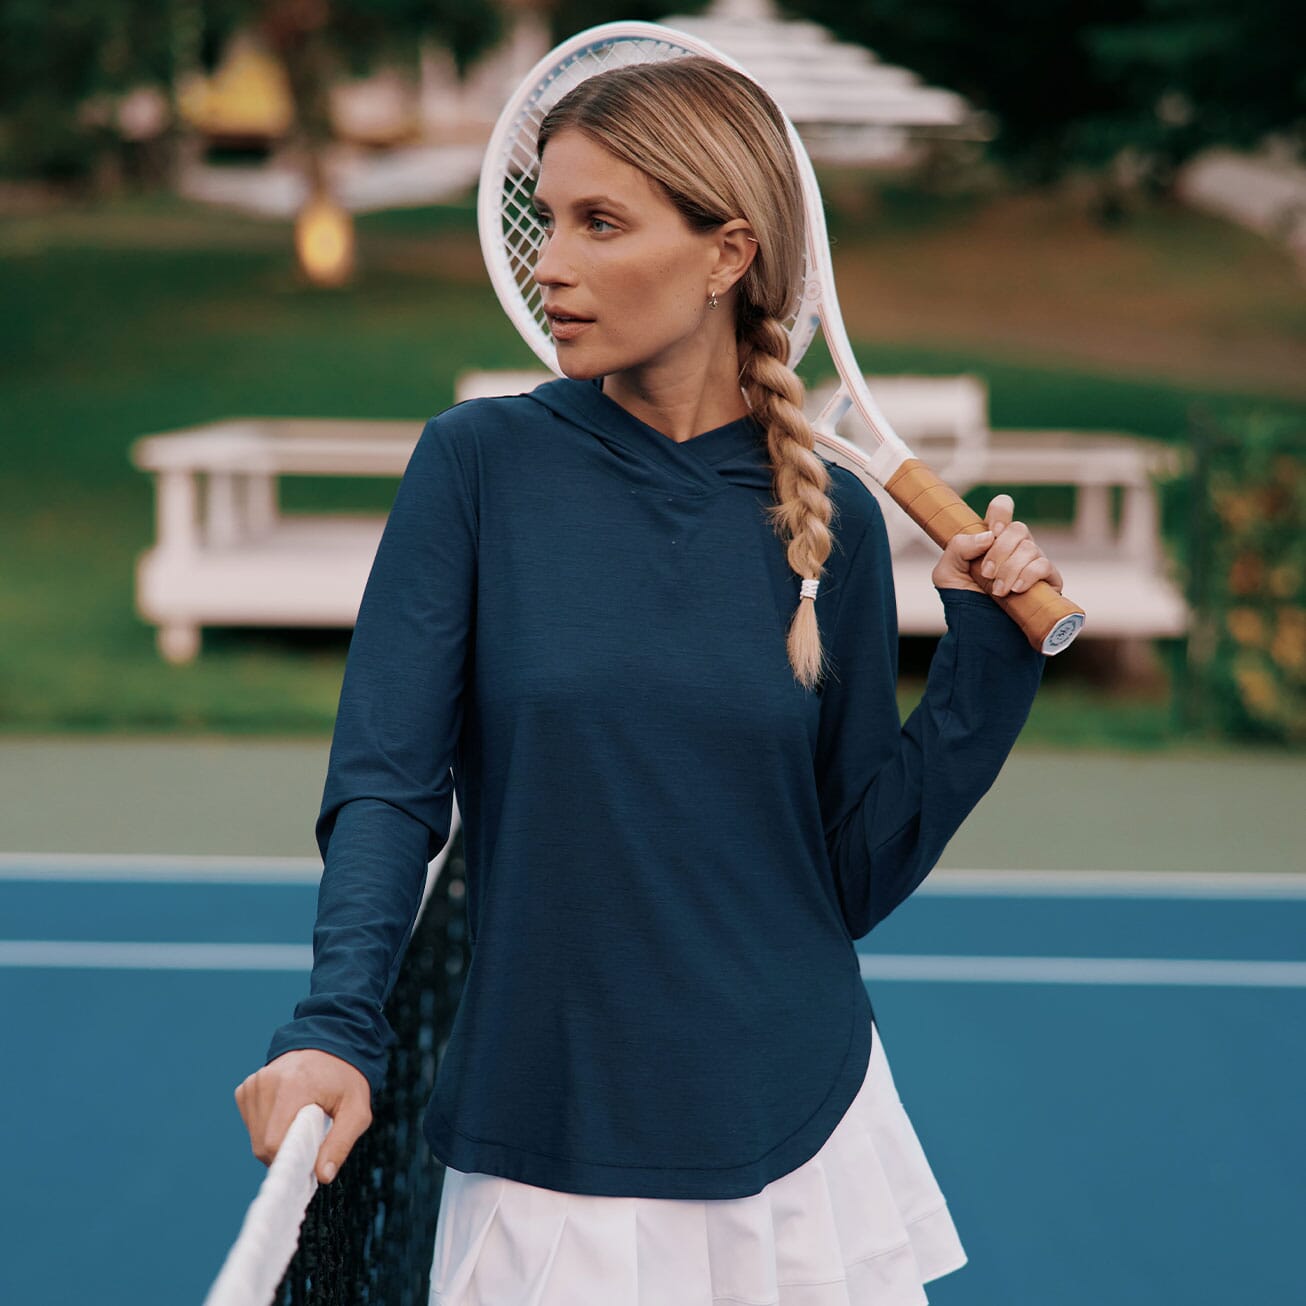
682	401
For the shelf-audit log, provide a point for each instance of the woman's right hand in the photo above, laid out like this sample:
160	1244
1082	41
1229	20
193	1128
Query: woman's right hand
270	1098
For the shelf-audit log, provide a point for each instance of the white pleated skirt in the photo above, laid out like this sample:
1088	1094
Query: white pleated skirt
863	1223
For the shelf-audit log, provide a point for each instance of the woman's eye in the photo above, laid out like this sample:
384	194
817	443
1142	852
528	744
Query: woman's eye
600	226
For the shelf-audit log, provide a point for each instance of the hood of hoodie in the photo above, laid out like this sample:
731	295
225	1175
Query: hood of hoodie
734	454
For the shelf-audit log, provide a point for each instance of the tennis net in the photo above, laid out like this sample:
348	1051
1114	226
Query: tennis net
366	1238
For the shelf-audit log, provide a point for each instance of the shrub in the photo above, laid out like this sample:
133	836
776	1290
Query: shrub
1248	647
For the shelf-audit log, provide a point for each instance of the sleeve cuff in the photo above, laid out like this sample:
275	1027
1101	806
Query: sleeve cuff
983	619
372	1069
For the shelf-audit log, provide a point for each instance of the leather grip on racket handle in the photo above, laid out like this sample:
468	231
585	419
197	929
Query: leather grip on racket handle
1050	620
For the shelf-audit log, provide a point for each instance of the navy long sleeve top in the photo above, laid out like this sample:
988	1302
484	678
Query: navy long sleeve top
576	625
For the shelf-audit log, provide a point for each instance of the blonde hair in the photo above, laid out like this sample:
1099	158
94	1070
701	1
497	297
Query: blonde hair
717	146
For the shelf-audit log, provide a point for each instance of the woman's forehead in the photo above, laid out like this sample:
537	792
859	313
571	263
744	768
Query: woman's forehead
575	170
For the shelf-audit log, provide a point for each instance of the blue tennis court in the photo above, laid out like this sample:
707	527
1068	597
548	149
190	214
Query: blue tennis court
1105	1071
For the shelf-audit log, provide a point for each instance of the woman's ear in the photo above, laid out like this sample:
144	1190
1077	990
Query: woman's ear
736	250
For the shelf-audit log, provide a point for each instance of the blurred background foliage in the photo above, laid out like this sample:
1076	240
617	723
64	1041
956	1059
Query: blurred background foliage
131	311
1070	83
61	66
1248	572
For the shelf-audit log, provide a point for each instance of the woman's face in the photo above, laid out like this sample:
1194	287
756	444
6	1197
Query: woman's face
623	265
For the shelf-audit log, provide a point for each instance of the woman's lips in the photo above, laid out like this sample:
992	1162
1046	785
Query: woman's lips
567	328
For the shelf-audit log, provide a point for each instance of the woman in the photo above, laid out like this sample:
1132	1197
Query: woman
653	634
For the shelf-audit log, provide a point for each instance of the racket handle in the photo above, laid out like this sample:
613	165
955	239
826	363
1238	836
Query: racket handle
1050	620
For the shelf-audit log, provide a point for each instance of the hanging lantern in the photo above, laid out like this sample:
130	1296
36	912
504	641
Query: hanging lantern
324	241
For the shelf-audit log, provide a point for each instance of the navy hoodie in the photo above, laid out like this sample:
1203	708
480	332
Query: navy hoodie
576	625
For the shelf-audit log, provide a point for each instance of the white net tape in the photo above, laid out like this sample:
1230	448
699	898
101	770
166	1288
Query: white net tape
270	1232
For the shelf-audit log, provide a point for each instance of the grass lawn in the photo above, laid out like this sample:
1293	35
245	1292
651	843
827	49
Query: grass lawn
152	314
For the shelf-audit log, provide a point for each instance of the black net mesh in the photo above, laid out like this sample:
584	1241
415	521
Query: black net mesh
367	1237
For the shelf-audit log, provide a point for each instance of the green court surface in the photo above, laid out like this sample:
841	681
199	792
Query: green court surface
1056	810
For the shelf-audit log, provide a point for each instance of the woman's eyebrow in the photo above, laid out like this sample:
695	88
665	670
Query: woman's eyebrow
588	202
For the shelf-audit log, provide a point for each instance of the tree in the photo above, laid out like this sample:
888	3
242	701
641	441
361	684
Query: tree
56	59
60	65
567	17
1194	73
318	39
1028	64
1073	82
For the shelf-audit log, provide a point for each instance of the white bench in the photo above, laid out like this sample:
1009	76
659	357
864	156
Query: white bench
226	555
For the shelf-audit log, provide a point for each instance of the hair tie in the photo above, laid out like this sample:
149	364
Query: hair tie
809	588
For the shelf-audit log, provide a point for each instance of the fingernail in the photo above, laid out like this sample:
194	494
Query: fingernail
999	527
989	570
329	1171
1000	587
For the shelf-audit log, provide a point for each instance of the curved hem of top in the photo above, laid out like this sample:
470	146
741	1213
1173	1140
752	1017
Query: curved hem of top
566	1175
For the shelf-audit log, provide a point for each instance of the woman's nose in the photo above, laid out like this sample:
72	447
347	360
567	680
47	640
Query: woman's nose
551	266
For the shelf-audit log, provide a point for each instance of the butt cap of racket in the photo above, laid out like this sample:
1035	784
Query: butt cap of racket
1062	635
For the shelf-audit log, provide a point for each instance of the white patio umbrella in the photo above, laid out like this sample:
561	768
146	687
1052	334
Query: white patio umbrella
846	103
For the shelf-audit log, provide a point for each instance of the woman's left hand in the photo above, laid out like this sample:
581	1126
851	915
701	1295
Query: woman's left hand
1006	553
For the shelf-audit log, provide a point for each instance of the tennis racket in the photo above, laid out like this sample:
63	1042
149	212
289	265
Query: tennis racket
512	235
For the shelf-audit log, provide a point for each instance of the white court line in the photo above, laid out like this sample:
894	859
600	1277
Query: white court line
1145	971
951	883
947	883
159	868
59	954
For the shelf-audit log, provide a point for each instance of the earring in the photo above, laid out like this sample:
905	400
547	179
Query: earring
711	300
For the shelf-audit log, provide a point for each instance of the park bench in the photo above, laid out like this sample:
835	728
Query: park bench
226	555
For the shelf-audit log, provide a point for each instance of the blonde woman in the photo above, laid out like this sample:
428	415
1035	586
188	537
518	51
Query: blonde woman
647	636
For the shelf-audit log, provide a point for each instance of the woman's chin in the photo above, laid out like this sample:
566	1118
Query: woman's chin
578	369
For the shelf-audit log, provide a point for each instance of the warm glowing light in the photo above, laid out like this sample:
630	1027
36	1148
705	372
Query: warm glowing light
324	241
248	95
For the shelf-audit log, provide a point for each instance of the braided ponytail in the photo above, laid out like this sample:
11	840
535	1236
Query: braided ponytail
802	510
